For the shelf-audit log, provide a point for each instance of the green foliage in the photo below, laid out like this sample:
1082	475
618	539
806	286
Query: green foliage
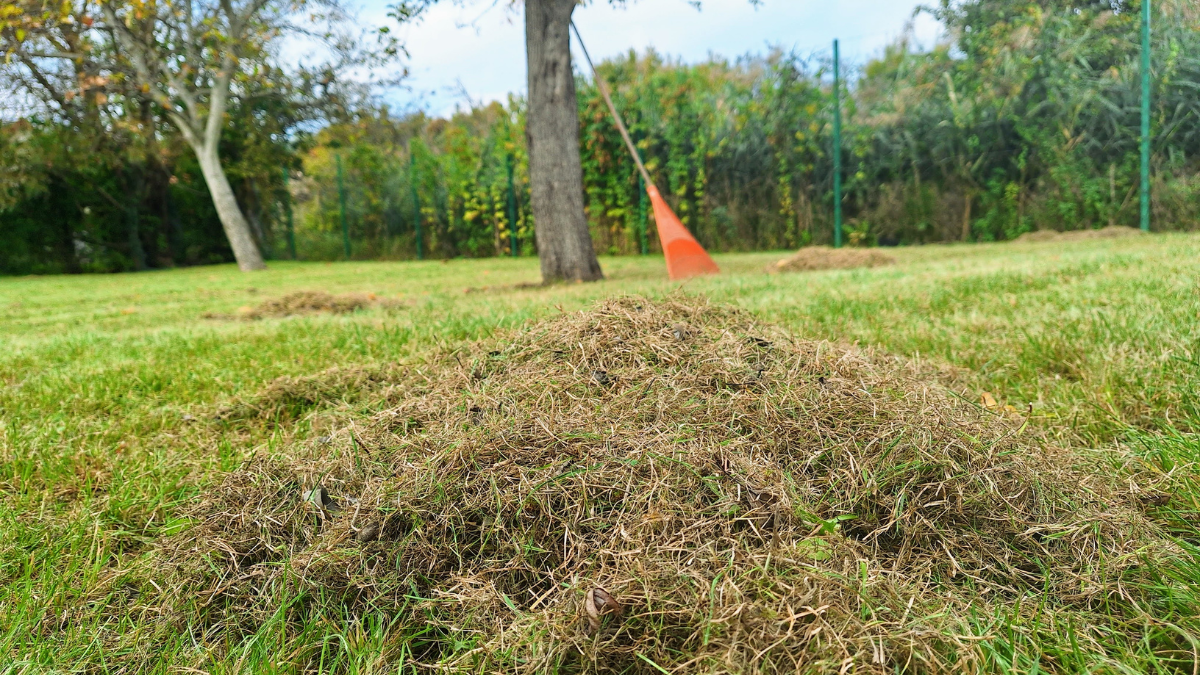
70	203
736	148
1032	114
1026	118
456	168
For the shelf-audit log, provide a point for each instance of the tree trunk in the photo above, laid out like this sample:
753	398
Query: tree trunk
136	253
237	230
175	241
966	221
552	132
252	214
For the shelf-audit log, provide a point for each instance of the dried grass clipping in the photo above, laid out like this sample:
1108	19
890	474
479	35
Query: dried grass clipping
814	258
1109	232
307	302
724	499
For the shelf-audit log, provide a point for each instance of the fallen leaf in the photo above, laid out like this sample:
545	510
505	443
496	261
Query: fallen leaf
597	603
319	497
988	401
1155	499
367	533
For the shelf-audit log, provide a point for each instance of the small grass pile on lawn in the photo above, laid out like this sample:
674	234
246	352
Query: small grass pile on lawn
1109	232
814	258
307	302
650	486
288	398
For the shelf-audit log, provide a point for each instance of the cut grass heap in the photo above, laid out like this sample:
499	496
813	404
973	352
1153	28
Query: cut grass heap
307	302
813	258
1109	232
752	503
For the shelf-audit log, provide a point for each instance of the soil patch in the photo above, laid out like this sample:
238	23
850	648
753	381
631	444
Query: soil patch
663	485
813	258
1109	232
308	302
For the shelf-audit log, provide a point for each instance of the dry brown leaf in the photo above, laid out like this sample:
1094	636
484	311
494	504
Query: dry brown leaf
597	603
367	533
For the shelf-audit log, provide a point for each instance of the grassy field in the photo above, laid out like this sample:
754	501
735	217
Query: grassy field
110	385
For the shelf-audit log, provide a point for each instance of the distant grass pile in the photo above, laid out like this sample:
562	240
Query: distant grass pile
300	303
665	486
288	398
815	258
1109	232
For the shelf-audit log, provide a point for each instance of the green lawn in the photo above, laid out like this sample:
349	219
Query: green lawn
110	384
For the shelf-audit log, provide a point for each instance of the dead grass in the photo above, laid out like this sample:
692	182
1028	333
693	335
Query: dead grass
307	302
752	503
288	398
1109	232
813	258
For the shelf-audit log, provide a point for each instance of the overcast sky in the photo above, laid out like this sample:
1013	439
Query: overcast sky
480	44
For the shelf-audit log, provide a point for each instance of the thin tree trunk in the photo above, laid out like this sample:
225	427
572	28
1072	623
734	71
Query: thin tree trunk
252	214
66	217
136	252
552	131
200	128
175	241
966	221
1112	194
237	230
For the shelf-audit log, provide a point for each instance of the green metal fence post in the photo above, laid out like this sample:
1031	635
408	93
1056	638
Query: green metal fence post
512	208
1145	191
412	180
643	209
287	205
342	200
837	149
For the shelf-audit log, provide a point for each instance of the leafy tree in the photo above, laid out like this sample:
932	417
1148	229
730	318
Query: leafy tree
186	57
552	127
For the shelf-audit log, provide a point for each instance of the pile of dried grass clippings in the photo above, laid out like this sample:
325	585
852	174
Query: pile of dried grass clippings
814	258
1109	232
288	398
308	302
664	481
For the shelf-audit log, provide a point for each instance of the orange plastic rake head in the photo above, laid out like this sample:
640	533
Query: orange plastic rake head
685	256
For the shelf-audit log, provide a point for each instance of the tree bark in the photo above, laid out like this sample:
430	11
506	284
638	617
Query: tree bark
201	129
552	132
237	230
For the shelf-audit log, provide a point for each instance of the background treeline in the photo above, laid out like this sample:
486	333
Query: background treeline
1026	117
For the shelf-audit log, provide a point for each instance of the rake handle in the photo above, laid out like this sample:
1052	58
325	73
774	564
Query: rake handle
613	109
